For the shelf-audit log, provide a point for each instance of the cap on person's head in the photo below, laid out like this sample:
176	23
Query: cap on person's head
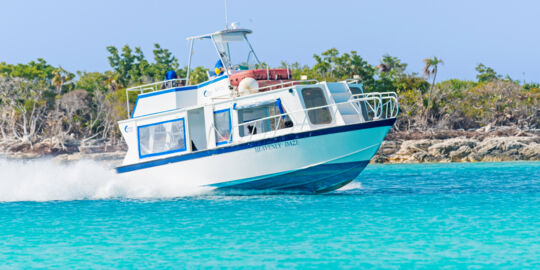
170	75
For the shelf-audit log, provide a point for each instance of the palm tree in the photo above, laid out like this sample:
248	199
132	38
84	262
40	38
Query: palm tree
383	68
60	77
112	80
430	70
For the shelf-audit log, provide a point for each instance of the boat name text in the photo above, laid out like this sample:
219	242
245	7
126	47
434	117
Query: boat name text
276	146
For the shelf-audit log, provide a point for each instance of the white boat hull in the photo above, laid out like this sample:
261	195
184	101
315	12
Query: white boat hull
314	161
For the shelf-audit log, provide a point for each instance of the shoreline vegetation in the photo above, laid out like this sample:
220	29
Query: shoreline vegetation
47	111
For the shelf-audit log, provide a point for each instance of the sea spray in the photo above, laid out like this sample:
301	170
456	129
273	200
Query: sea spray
351	186
50	180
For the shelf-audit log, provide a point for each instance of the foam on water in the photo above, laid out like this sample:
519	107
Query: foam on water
49	180
351	186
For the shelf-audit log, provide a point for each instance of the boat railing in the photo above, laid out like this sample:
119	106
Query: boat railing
378	106
285	85
153	87
278	86
386	107
351	81
157	86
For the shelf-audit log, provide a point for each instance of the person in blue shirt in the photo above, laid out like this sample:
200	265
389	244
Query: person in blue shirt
169	76
218	68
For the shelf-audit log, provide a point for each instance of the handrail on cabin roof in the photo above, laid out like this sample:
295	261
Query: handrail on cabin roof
153	87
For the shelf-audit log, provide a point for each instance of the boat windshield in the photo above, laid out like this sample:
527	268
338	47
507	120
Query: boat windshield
235	51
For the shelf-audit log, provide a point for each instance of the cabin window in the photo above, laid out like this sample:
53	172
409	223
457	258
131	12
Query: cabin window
162	138
313	98
197	129
271	115
222	122
355	90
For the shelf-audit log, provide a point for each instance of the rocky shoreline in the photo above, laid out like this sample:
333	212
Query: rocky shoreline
460	149
74	151
432	146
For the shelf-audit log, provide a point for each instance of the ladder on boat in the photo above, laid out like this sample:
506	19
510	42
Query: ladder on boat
341	93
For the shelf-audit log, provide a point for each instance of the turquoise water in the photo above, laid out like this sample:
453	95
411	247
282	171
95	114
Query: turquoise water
411	216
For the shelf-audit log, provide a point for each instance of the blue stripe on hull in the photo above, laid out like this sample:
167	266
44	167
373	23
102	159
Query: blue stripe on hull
316	179
228	149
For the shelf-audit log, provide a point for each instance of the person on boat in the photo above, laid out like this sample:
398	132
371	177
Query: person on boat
169	77
218	68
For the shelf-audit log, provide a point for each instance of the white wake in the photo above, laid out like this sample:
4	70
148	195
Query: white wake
351	186
49	180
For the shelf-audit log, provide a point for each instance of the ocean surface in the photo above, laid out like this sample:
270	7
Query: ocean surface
481	215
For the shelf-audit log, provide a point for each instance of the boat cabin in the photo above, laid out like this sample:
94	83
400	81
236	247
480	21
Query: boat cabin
240	104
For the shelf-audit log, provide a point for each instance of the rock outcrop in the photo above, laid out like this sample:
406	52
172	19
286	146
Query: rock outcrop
459	150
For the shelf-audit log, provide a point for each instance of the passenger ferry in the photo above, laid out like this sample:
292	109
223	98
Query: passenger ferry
254	128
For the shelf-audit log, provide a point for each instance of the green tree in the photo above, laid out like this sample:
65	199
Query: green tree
324	62
164	61
411	83
390	70
141	71
112	80
133	68
198	75
33	70
92	81
331	66
121	63
392	65
363	70
486	74
430	70
60	77
531	87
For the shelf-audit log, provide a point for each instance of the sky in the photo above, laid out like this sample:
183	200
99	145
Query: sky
504	35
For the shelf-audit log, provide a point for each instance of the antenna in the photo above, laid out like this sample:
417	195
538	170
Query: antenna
226	17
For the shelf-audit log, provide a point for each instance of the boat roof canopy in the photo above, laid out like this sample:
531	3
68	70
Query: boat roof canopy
228	35
222	41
